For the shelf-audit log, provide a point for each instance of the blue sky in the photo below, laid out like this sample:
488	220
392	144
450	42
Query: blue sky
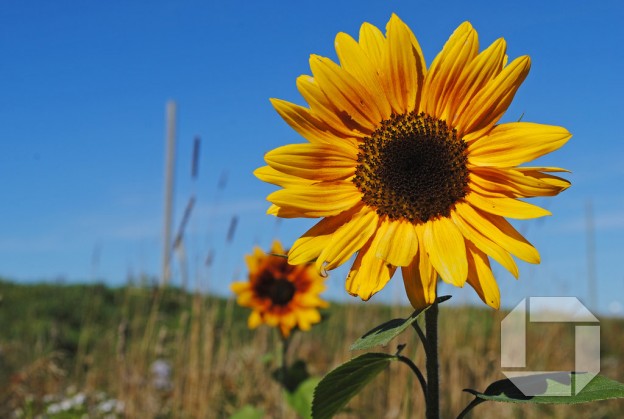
84	87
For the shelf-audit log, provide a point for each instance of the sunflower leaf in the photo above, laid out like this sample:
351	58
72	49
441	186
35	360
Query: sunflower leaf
384	333
551	384
301	399
340	385
248	412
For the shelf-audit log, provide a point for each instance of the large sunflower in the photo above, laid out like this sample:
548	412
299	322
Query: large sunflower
280	294
408	165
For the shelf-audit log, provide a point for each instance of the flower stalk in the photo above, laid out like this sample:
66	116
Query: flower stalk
432	365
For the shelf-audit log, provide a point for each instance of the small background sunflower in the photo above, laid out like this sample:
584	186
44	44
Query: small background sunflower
280	295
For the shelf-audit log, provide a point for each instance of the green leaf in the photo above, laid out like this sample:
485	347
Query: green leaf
248	412
385	332
340	385
301	399
600	388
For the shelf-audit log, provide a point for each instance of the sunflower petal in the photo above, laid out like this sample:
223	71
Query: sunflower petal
275	177
348	95
372	42
399	244
317	200
514	143
489	104
308	125
324	109
353	58
283	212
306	318
482	242
460	49
254	320
348	239
445	246
314	161
310	245
404	66
238	287
501	232
517	182
474	77
369	274
481	278
420	279
253	260
506	207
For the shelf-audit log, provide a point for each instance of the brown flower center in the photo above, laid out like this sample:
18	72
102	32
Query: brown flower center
279	290
413	167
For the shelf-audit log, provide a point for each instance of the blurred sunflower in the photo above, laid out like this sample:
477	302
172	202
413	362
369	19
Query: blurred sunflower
280	294
408	165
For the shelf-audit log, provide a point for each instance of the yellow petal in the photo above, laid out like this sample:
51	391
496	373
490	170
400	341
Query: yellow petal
255	259
369	274
271	318
348	96
480	240
480	277
420	279
506	207
318	200
514	143
284	331
517	182
314	161
306	318
445	246
275	177
500	232
404	66
284	212
254	320
307	124
309	246
474	77
459	50
238	287
489	104
399	243
372	42
348	239
324	109
354	59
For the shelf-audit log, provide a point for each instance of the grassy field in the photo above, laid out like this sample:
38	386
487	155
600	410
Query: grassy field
142	352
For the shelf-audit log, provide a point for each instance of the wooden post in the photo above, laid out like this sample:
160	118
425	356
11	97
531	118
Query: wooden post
168	196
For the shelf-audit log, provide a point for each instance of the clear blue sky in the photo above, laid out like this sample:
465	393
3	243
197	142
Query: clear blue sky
84	87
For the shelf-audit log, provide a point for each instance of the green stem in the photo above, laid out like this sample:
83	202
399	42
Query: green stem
431	350
416	371
284	366
468	408
283	372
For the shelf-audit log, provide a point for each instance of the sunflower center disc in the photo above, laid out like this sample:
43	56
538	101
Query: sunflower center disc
413	167
279	290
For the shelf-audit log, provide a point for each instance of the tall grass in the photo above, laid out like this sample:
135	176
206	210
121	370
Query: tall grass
95	339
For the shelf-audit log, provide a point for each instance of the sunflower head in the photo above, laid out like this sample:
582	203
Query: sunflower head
280	295
410	166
